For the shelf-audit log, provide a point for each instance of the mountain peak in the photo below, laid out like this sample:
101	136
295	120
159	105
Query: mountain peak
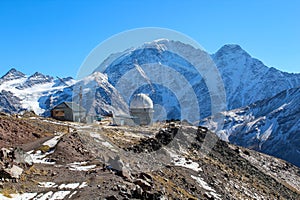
233	49
40	76
12	74
35	79
37	74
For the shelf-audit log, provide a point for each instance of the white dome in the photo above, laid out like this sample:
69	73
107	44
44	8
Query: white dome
141	101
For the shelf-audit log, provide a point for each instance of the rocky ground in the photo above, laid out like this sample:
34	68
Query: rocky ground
17	131
60	160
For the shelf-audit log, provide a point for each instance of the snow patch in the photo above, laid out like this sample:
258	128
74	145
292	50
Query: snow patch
183	162
107	144
73	193
69	186
23	196
59	195
47	184
96	135
39	156
83	184
80	166
205	186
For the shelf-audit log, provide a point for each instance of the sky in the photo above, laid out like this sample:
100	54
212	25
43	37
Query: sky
54	37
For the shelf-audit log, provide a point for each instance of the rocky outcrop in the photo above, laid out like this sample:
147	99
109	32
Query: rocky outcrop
8	170
10	103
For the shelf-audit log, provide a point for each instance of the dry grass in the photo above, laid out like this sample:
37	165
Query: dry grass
171	187
35	171
8	191
44	148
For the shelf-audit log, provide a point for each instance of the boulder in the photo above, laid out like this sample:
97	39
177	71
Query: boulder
143	184
14	172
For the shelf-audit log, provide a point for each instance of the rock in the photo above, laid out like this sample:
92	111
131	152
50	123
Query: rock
146	177
166	136
4	114
113	197
126	174
143	184
22	157
137	192
115	188
4	153
201	133
116	163
37	135
14	172
246	152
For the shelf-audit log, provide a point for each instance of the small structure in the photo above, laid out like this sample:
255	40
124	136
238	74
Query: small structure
141	108
124	119
69	111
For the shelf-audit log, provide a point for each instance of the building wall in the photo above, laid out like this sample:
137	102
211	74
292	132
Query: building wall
144	115
64	113
121	121
69	114
78	116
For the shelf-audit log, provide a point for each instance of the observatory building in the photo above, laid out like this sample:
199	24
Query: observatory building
141	108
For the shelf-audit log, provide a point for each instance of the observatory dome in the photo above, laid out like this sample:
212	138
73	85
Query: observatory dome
141	101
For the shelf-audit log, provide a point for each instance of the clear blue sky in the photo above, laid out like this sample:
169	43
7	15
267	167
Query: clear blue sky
55	36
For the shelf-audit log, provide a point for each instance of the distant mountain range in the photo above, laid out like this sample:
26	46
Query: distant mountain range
40	93
262	102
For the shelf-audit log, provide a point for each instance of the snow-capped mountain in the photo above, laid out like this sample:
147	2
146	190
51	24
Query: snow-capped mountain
98	96
10	103
268	124
36	79
40	93
159	70
245	79
12	75
26	91
271	126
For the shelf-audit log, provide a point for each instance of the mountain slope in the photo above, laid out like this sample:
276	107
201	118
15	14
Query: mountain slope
12	74
271	126
40	93
28	90
99	97
245	79
10	103
109	162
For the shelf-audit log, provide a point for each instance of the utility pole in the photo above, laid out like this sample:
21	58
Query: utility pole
80	102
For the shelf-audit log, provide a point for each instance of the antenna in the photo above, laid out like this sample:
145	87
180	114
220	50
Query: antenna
80	102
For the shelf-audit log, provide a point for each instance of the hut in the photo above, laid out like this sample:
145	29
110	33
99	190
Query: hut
69	111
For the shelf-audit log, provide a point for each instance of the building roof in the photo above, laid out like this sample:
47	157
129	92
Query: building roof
141	101
73	106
